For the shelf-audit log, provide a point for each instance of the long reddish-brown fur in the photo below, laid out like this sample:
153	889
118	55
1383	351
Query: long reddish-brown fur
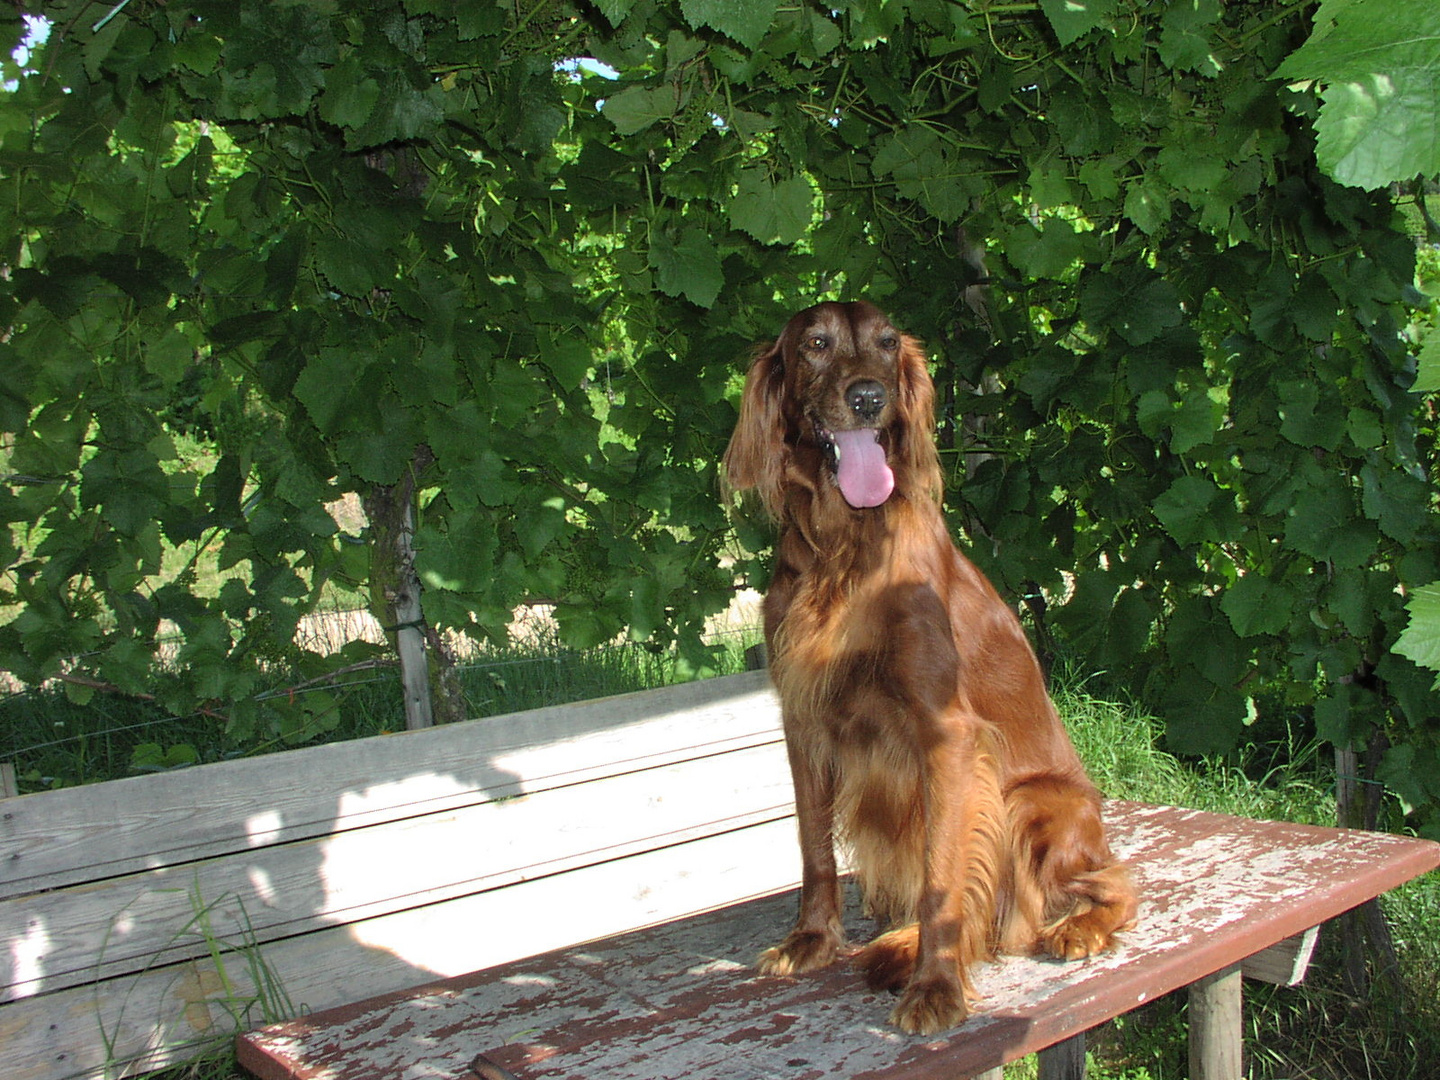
918	727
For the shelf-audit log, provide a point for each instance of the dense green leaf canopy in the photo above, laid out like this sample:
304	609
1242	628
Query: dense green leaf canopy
262	256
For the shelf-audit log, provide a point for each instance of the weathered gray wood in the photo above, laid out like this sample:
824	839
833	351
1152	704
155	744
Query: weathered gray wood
77	834
1285	963
278	891
159	1016
1064	1060
1216	1019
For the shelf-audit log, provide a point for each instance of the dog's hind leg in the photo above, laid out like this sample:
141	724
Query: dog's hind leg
1068	894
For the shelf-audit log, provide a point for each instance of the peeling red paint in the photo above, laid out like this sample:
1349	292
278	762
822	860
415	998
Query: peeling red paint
771	1028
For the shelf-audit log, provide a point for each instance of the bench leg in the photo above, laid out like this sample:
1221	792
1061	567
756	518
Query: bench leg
1215	1026
1065	1060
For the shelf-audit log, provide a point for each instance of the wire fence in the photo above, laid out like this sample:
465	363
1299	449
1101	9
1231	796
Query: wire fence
52	738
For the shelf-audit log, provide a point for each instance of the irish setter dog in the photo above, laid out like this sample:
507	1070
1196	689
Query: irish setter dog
919	731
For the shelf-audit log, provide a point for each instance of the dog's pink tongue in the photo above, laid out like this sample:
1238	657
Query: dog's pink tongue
865	478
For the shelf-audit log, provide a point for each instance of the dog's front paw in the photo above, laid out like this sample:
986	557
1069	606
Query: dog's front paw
930	1006
802	950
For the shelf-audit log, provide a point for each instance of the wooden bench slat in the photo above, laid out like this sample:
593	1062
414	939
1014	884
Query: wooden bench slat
80	834
289	836
681	997
284	890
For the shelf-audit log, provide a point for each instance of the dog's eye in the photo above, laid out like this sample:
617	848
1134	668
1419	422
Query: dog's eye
817	342
889	341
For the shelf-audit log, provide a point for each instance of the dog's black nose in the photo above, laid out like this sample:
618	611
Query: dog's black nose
866	398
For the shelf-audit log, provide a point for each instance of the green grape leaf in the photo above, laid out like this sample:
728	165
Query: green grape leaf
353	267
1323	524
169	356
916	159
1202	718
1138	305
1378	66
1193	509
583	626
1394	500
1427	377
1255	605
128	486
567	356
1147	203
1196	419
745	21
635	108
350	95
1410	771
1309	417
689	267
401	112
773	213
1100	179
1420	640
341	391
1380	129
1340	718
1073	19
615	11
1186	40
1049	252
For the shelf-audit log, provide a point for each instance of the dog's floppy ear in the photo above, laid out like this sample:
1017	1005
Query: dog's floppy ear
756	457
917	454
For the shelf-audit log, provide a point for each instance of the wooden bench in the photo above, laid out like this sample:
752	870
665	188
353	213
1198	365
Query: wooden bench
1222	896
144	919
550	880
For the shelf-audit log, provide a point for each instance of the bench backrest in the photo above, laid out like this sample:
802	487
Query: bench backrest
140	918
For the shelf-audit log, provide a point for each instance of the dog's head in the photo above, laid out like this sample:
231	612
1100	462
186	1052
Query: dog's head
842	403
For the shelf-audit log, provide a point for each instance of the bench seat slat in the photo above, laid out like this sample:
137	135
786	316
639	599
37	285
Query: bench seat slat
82	834
279	891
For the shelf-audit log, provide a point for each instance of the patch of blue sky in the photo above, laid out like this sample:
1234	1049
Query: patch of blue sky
577	67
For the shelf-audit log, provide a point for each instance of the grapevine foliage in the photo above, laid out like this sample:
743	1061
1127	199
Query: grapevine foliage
259	256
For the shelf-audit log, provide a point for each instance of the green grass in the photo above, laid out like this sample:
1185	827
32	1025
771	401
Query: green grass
1121	747
1317	1031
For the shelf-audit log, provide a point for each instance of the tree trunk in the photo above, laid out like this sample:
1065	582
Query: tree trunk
427	669
1366	941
